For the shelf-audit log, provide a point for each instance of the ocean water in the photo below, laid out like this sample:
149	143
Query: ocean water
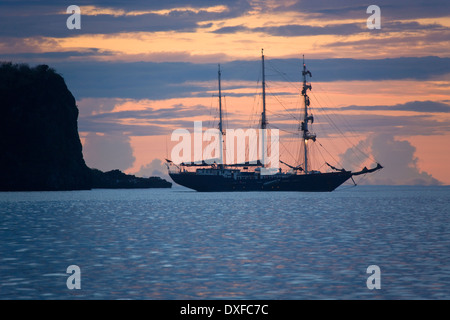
180	244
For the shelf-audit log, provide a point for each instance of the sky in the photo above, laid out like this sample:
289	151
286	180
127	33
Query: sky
141	69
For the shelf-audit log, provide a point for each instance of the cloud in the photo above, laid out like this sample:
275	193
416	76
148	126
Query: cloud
396	156
150	80
379	69
295	30
412	118
108	152
414	125
416	106
163	80
350	9
97	116
155	168
90	106
232	29
55	25
48	18
88	53
138	80
32	53
433	42
177	111
325	9
114	128
341	29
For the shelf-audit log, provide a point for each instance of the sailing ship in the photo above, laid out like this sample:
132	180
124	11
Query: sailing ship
221	177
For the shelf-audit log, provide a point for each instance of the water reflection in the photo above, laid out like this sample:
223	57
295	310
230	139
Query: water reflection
159	244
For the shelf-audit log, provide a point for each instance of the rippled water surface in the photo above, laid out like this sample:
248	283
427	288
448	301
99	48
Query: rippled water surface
180	244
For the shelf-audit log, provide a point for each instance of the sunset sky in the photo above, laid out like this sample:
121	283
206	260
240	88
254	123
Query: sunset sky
141	69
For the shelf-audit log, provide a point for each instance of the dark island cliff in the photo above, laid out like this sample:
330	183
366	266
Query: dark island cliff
40	148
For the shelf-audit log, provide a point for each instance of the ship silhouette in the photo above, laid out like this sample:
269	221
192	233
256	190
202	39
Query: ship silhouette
252	175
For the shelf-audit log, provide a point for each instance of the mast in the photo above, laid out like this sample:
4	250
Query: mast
263	115
306	118
220	122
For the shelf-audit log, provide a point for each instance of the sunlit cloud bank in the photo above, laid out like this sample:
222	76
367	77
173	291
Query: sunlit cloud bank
399	160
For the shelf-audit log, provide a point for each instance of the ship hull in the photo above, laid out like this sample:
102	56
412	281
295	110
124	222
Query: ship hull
316	182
